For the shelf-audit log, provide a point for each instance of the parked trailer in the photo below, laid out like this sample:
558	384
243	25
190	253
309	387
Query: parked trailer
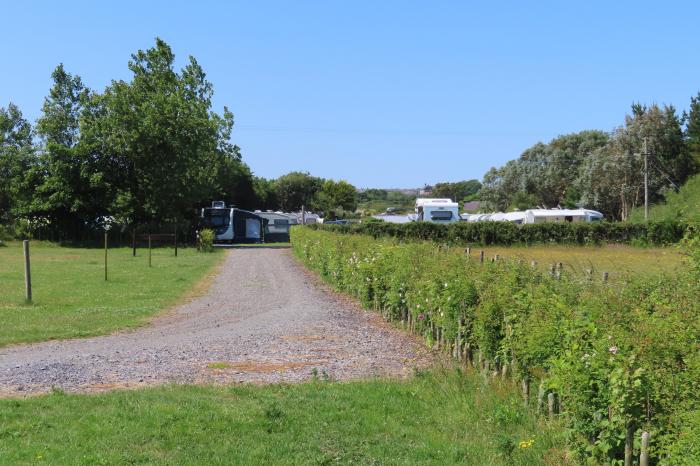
532	216
233	225
437	210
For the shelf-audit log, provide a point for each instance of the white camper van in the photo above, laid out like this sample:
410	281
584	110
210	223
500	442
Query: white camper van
437	210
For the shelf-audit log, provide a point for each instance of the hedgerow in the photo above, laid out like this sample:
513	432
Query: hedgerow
621	359
506	233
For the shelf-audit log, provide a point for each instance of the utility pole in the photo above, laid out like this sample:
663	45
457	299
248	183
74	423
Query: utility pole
646	182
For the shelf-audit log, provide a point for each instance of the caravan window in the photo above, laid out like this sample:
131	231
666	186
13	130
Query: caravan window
217	217
281	222
441	215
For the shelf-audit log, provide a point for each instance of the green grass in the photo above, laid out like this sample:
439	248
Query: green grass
431	419
71	298
618	260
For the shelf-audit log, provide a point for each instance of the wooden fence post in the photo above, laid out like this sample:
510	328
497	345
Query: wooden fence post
606	275
644	450
133	242
468	252
458	340
149	250
540	397
526	390
105	256
27	272
175	240
551	405
533	264
629	444
481	256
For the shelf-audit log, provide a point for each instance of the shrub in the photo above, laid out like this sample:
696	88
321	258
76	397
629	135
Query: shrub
206	240
616	356
506	233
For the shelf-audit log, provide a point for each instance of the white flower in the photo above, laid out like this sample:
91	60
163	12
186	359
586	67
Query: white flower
613	349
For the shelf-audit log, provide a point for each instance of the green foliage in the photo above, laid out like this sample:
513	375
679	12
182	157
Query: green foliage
296	189
458	191
16	154
681	205
506	233
335	195
206	240
599	170
616	356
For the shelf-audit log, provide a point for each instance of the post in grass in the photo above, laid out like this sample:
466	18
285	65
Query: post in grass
27	272
644	450
481	256
149	250
105	256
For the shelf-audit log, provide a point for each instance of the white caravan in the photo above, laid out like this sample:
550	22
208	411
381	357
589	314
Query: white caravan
437	210
562	215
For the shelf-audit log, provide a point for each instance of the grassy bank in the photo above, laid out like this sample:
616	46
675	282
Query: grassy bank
439	419
621	359
71	298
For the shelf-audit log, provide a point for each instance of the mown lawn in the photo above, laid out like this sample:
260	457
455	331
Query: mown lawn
71	298
618	260
432	419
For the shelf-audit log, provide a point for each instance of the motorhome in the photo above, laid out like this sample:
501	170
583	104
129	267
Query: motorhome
437	210
232	225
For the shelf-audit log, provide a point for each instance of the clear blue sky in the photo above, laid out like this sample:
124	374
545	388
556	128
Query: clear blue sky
381	93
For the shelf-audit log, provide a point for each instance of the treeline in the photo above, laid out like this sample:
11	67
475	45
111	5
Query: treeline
600	170
148	151
617	360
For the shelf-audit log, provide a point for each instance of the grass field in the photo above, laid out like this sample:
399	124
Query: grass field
618	260
71	298
431	419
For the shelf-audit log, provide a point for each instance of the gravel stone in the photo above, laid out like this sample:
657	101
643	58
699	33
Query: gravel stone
263	320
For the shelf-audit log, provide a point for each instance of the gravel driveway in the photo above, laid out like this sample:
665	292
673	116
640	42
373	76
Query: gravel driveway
264	319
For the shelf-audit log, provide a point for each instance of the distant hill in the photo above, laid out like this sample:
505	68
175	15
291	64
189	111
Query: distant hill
683	205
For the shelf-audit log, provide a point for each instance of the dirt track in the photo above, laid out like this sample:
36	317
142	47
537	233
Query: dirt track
263	320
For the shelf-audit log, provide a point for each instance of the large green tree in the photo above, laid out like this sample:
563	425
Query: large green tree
160	146
336	195
457	191
612	180
297	189
65	183
692	129
16	158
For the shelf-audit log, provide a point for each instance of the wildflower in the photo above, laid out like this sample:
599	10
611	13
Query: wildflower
526	443
613	349
421	316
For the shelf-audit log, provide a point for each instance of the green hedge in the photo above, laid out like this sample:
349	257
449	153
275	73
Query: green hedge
620	356
506	233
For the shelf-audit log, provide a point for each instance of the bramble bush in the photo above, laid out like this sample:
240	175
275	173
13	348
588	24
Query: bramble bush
506	233
618	357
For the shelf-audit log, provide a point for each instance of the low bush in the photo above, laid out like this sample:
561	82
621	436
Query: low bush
506	233
618	357
206	240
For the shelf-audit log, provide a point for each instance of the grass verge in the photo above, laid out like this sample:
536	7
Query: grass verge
71	298
619	260
437	418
